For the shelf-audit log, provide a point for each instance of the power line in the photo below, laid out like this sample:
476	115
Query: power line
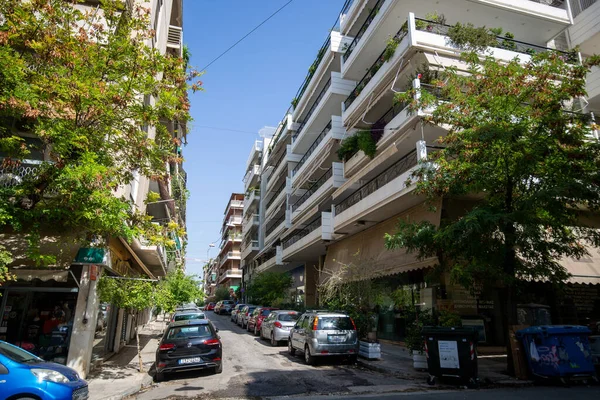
246	35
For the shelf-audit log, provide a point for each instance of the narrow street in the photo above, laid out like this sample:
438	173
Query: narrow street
252	368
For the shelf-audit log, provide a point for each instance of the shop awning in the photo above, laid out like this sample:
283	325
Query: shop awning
41	274
586	270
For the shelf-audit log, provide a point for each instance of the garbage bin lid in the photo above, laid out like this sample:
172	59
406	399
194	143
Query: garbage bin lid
555	330
440	330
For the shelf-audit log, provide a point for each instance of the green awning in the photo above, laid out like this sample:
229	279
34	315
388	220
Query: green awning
234	287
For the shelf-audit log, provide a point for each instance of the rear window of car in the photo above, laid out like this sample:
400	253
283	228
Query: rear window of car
250	309
266	312
189	332
289	317
185	317
335	324
228	302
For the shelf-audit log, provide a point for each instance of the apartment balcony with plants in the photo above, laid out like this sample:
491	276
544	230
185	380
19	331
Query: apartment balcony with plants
251	200
539	22
250	245
275	226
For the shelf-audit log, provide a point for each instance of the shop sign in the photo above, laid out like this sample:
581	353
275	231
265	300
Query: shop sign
91	255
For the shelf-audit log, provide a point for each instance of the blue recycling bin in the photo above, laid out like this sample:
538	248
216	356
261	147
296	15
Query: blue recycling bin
558	352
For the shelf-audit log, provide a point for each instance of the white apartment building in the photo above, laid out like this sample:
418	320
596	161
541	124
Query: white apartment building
228	262
321	211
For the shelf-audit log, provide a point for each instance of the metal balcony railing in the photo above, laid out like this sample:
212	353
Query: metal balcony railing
274	224
13	173
577	6
312	69
312	189
373	69
312	148
276	194
503	42
266	256
362	30
312	109
298	234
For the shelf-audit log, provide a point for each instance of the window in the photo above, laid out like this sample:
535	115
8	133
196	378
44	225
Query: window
300	322
335	324
287	317
189	332
266	312
17	355
186	317
3	370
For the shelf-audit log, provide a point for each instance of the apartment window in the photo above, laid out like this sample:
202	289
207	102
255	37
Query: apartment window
157	20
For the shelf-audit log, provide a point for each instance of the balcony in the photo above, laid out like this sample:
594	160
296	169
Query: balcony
250	221
319	192
276	197
362	30
153	256
279	167
255	154
249	247
326	104
274	229
230	255
251	200
306	241
252	176
269	259
230	274
593	89
234	220
381	197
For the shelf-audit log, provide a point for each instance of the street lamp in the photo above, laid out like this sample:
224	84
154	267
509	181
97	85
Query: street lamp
211	245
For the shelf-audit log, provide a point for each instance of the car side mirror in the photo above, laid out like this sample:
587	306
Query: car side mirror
216	329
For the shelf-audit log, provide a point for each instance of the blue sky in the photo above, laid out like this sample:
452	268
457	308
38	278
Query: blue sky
248	88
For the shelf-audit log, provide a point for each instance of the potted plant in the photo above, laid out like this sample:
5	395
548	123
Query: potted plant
414	338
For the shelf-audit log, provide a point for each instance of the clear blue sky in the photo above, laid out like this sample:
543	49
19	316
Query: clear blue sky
248	88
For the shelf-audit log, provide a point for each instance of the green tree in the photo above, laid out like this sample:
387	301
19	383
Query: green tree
131	294
177	288
269	287
222	293
84	87
527	164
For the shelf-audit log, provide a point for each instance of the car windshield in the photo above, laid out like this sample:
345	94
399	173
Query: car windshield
289	317
185	317
266	312
335	323
16	354
189	332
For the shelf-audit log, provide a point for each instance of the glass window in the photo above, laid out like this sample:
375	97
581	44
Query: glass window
186	317
287	317
300	323
335	323
266	312
189	332
16	354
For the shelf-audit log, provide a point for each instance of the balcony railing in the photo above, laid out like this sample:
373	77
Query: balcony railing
312	69
13	173
312	189
312	148
391	173
266	256
276	194
277	163
374	68
249	242
312	109
577	6
503	42
362	30
298	234
274	224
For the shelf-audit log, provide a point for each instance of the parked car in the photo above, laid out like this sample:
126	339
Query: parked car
324	333
186	315
276	327
234	312
189	345
242	316
187	307
26	376
257	317
224	307
210	306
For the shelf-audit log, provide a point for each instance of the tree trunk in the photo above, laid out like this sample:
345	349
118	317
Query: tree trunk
510	260
139	351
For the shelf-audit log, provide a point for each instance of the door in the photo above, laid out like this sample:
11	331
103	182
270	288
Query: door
298	336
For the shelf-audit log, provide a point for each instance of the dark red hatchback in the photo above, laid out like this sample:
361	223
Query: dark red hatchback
257	317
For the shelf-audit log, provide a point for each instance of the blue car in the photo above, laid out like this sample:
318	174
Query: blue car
26	376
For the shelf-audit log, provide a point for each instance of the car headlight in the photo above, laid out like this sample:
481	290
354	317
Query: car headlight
49	375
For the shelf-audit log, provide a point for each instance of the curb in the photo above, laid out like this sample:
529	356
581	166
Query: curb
146	382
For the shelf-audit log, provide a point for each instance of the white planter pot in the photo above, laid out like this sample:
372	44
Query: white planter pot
369	350
419	361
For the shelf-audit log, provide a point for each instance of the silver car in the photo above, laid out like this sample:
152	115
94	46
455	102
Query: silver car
276	327
235	310
244	315
322	334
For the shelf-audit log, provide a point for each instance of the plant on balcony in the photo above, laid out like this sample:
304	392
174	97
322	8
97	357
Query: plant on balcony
294	102
365	140
348	148
152	197
76	90
434	23
530	165
472	38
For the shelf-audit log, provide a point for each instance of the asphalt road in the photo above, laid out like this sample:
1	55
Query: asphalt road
254	369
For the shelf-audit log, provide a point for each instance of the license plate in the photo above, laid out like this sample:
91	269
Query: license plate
192	360
336	338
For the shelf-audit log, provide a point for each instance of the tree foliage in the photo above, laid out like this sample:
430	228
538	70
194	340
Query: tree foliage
529	166
84	87
177	288
267	288
222	293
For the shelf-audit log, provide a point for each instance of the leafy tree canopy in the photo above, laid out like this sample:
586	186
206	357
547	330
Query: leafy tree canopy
222	293
177	288
82	88
269	287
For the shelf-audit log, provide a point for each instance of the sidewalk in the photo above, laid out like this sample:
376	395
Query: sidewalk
119	376
396	360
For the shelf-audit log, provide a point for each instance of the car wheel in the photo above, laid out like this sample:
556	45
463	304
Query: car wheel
291	348
274	342
159	377
310	360
219	369
353	359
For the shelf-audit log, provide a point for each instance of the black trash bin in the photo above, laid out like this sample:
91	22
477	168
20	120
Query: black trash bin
451	353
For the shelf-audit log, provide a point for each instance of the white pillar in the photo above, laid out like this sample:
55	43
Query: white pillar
84	324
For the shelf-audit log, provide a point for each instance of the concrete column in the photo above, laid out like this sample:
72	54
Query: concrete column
117	346
310	284
84	325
